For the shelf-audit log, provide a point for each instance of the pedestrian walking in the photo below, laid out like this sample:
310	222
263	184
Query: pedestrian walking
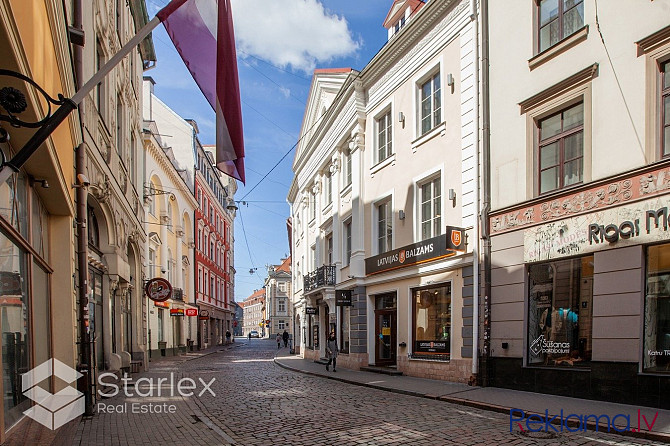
285	338
227	336
331	351
249	336
279	340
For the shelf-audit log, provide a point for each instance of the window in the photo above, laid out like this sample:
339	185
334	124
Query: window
431	208
347	243
313	257
281	324
431	322
560	302
347	168
399	24
152	199
665	108
119	126
384	227
312	207
161	336
281	305
169	216
329	249
282	286
93	229
657	310
345	315
152	263
557	20
561	149
100	91
384	137
328	180
431	104
132	169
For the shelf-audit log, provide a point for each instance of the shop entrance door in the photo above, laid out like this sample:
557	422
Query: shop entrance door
385	337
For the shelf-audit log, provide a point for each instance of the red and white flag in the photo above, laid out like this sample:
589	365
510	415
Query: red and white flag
202	32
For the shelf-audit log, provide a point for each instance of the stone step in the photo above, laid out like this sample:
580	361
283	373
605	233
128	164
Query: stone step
383	370
322	361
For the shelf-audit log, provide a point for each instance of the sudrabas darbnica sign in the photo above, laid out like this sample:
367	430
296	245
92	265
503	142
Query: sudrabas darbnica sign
421	252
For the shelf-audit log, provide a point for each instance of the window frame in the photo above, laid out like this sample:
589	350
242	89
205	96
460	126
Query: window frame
386	116
561	14
664	95
559	138
430	179
346	241
413	325
429	77
387	202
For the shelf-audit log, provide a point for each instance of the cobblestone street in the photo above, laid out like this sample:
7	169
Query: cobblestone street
259	403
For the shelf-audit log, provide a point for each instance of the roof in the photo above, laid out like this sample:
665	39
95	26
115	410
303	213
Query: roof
398	10
256	295
285	265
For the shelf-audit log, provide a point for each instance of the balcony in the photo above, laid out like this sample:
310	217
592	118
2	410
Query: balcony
322	276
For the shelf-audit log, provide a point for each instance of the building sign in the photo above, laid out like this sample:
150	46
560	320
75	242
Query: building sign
158	289
456	238
177	312
311	310
191	312
440	347
162	304
424	251
343	298
204	315
636	223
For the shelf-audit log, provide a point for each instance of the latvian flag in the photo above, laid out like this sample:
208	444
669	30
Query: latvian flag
202	32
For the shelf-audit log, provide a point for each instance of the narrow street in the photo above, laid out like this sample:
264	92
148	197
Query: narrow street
259	403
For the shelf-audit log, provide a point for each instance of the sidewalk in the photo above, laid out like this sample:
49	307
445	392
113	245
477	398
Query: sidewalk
492	398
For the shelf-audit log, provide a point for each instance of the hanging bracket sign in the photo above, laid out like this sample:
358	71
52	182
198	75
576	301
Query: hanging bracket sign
343	298
158	289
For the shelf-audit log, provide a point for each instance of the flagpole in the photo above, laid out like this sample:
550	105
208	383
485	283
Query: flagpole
62	112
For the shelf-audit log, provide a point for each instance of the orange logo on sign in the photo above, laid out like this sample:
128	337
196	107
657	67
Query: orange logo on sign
456	237
401	257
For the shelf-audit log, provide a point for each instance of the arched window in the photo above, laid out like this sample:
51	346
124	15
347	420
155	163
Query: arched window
93	230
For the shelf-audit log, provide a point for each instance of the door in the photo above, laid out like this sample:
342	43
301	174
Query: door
385	337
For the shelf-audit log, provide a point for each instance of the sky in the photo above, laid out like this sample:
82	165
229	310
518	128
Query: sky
279	44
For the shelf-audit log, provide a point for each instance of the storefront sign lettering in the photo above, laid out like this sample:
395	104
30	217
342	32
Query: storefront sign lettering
310	310
427	250
343	298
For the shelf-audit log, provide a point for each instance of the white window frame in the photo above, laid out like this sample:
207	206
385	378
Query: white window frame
346	256
389	200
420	80
387	111
419	181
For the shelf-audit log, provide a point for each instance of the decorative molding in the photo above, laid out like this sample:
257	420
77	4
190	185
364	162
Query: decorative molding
653	41
558	48
576	79
632	187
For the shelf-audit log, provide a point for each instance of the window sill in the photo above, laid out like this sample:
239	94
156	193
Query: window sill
380	165
440	129
328	208
346	190
558	48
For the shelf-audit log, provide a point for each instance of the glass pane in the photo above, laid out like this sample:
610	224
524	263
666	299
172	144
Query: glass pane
572	172
573	20
573	117
437	103
550	126
548	11
14	321
549	155
666	75
41	321
549	35
549	180
574	146
425	230
666	141
666	107
432	321
560	312
657	310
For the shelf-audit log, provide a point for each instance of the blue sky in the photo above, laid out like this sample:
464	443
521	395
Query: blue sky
279	44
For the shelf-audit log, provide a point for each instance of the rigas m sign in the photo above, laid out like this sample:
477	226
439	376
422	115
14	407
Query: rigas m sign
630	228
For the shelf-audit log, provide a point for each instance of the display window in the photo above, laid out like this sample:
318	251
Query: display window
431	322
560	312
656	353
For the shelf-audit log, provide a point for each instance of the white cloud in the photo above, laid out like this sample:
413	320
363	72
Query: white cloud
285	91
299	33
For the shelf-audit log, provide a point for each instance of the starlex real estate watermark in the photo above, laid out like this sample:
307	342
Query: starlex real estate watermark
579	422
146	387
53	410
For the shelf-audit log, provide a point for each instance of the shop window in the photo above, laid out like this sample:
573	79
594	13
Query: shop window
665	108
558	19
656	350
561	149
431	322
345	315
560	312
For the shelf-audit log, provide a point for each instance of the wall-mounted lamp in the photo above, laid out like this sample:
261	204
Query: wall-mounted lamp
402	344
450	80
401	214
230	204
44	183
401	117
452	197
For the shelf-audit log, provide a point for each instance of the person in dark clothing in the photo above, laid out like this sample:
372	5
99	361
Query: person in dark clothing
228	336
278	341
285	338
249	336
331	351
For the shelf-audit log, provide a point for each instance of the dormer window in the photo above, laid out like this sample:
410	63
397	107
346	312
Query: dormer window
398	25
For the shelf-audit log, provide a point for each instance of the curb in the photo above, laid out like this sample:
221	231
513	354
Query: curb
591	426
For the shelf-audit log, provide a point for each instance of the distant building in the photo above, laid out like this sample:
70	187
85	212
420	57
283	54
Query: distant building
278	292
238	318
254	312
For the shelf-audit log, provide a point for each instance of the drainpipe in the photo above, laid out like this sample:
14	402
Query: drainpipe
81	192
486	183
475	229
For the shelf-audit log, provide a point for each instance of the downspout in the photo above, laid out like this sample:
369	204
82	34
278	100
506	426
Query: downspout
475	230
486	183
81	193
